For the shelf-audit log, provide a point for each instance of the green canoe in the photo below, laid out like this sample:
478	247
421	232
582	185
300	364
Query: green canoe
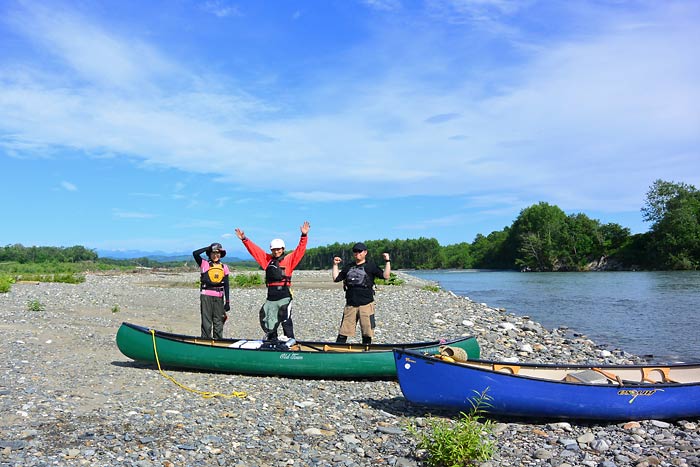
305	359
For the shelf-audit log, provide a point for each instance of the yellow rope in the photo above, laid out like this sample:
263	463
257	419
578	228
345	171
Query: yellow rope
205	394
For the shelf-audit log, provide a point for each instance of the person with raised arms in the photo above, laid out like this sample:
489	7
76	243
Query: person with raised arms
278	267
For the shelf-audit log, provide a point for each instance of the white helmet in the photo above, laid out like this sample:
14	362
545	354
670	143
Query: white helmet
276	243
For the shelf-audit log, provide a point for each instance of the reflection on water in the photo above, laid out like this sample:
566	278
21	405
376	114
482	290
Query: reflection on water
645	313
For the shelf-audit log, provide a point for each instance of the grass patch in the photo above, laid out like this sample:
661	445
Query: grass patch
431	288
65	278
393	280
35	305
465	442
6	283
252	279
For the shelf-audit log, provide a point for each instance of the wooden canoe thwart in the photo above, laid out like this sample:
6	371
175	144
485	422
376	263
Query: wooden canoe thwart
543	391
304	359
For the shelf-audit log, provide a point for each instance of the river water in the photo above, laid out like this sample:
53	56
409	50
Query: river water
645	313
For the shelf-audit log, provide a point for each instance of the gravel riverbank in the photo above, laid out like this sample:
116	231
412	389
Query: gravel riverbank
69	397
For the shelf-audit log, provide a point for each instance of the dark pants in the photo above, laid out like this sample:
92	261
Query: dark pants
212	309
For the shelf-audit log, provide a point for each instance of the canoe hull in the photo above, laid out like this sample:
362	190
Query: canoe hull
429	381
136	342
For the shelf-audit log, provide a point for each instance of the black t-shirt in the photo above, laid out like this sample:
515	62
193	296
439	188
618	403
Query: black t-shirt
358	281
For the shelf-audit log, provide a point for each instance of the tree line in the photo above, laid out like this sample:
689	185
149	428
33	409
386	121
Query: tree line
544	238
46	254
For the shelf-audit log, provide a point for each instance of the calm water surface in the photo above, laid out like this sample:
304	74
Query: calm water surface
645	313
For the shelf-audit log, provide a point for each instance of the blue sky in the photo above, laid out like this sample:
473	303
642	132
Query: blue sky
163	125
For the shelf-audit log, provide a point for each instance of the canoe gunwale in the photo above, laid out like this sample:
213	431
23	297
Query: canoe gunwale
378	347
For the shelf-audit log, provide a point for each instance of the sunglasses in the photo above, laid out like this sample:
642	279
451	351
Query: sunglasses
357	251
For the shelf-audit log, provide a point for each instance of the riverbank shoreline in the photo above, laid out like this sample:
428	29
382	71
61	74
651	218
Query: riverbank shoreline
69	397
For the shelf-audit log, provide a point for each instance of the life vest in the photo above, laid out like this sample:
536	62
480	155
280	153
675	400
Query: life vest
274	273
213	278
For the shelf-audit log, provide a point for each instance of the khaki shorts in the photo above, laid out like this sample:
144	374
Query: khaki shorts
352	314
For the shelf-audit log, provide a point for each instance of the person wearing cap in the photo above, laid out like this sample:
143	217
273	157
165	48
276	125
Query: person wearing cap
214	290
278	267
358	282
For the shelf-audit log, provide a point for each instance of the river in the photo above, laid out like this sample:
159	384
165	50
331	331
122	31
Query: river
654	314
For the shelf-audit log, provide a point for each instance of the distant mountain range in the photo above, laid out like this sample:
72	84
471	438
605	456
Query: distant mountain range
160	256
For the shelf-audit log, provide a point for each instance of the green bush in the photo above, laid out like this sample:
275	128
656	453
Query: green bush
464	442
35	305
393	280
6	283
247	280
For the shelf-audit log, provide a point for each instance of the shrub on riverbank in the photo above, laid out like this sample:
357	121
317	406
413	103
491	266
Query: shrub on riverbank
466	441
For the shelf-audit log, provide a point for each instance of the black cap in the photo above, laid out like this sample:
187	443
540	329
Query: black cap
359	247
216	247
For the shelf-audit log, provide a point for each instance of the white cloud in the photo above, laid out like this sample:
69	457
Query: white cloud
221	9
68	186
561	123
131	214
324	196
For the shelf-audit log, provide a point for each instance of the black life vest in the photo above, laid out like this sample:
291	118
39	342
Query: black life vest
274	273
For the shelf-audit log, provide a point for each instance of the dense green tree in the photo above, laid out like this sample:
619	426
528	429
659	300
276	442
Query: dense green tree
674	210
497	250
456	256
540	234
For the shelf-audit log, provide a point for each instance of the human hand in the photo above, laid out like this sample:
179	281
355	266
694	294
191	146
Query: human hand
386	256
337	260
240	234
227	306
305	227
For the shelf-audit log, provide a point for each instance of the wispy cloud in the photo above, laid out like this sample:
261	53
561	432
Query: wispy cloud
220	8
440	118
68	186
117	213
324	196
583	108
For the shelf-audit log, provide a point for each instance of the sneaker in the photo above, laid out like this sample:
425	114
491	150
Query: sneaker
283	338
290	342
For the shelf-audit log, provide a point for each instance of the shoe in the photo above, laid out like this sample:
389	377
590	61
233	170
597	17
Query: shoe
290	342
283	338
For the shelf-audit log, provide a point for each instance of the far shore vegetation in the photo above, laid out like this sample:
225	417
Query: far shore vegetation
542	238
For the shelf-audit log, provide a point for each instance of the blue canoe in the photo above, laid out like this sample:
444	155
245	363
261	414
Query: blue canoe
544	391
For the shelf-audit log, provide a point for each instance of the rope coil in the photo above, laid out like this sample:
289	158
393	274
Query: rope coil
205	394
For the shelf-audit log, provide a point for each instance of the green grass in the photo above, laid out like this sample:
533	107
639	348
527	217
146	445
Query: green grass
66	278
6	282
431	288
247	280
467	441
35	305
393	280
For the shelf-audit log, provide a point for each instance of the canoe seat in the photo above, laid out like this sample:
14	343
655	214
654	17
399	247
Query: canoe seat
662	370
512	369
586	376
611	376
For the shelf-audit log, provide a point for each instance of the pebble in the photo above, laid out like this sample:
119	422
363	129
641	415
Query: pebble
68	396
